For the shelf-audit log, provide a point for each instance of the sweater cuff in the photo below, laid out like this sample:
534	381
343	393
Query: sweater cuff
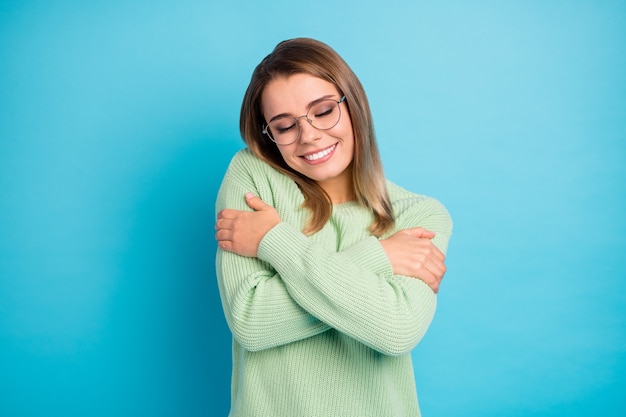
281	240
369	254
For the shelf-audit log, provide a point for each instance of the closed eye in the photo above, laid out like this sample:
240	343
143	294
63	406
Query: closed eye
324	110
285	129
283	125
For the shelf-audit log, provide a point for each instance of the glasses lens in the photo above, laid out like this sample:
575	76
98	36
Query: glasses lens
325	114
283	130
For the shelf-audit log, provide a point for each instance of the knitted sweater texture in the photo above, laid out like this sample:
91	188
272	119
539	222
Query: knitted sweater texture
321	326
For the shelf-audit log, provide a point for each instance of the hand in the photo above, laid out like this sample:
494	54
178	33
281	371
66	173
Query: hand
241	231
413	254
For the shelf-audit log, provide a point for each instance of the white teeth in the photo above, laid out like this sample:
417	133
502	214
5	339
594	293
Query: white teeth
320	154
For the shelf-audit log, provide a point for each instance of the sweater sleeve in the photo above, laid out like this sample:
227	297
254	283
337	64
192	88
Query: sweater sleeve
259	310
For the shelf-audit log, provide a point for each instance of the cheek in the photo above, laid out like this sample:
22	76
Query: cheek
287	153
349	140
347	131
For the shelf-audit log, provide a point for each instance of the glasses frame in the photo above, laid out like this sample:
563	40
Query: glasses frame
266	131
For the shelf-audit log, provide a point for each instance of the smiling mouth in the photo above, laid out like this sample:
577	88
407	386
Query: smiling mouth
317	155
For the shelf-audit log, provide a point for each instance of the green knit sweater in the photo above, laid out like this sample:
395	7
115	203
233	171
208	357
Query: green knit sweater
321	326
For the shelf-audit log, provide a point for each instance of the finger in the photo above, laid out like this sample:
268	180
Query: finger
420	232
227	214
431	259
255	202
434	285
429	270
436	253
428	248
430	280
433	281
437	269
226	245
223	235
223	224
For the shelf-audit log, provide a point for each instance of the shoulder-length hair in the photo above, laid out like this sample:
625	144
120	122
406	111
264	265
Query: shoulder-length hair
309	56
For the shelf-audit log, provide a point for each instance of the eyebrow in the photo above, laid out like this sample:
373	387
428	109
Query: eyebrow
311	104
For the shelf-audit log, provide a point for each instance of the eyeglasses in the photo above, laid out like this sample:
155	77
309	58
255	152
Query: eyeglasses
322	115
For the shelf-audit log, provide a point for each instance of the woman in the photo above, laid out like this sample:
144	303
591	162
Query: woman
327	271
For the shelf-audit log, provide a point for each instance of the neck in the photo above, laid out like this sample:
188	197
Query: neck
339	189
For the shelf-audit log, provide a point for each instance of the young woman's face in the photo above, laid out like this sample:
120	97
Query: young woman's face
322	155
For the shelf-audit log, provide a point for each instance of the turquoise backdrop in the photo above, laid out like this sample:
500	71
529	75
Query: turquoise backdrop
118	119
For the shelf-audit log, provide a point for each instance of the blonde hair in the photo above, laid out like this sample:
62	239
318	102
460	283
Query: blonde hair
309	56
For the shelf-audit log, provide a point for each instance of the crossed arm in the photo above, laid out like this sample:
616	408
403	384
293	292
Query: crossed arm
411	252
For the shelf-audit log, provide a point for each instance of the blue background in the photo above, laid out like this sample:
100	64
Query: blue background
118	119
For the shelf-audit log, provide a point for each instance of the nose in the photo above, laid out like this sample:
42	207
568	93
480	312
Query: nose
308	133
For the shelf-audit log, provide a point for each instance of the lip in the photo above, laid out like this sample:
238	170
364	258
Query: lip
320	156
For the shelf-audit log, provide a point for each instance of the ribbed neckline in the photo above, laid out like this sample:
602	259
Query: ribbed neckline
347	204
